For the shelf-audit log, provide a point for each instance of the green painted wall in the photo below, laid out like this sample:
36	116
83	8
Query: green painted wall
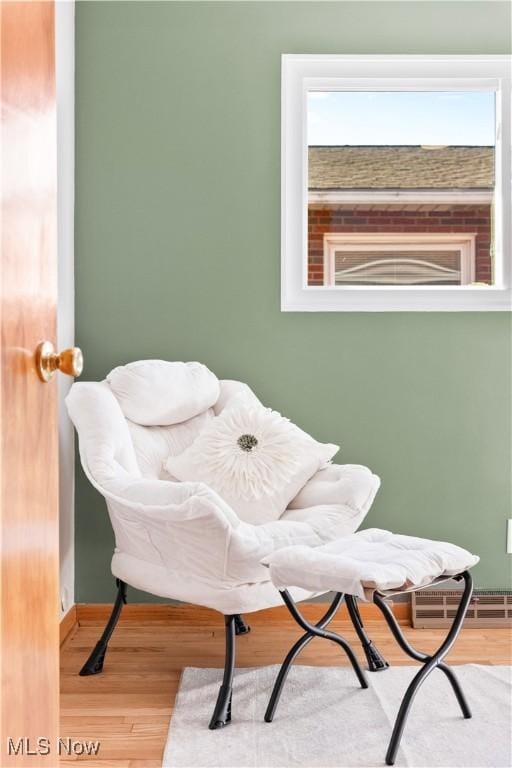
177	256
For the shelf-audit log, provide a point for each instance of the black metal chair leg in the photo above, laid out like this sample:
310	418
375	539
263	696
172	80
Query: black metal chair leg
94	663
292	654
222	712
430	663
376	662
241	626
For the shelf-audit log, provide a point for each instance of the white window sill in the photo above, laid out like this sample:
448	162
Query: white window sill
396	299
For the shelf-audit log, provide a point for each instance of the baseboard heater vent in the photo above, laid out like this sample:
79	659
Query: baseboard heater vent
436	608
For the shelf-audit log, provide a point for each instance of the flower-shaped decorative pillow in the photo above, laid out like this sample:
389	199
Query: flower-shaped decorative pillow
254	458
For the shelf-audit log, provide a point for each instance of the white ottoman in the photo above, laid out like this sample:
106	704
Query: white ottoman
372	565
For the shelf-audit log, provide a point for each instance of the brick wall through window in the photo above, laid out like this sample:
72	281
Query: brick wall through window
325	218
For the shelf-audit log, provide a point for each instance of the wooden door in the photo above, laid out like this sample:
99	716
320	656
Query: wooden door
29	456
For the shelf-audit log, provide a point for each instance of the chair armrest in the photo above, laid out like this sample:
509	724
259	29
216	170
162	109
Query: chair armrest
331	505
170	499
184	527
352	485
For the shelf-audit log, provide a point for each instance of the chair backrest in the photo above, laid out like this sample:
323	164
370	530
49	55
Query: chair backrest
142	413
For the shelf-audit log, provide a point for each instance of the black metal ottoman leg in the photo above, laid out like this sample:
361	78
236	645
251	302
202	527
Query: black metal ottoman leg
320	632
94	663
222	712
423	657
430	663
376	662
283	674
311	631
459	693
292	655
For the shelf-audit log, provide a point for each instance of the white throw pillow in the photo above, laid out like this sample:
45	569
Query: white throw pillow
160	393
254	458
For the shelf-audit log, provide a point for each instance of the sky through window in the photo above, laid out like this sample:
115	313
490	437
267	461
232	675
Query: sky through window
401	118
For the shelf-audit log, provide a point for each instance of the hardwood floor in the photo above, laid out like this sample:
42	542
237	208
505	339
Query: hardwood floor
128	707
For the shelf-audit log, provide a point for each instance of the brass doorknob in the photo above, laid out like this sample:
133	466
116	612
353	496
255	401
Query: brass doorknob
69	361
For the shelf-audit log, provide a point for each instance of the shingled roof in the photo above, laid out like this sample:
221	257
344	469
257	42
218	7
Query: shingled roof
402	167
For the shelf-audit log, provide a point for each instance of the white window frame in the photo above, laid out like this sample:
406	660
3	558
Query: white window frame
401	241
303	73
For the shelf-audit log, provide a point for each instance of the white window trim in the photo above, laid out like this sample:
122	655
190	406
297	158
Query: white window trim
301	73
465	243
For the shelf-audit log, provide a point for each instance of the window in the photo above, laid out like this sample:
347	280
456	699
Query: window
396	183
399	259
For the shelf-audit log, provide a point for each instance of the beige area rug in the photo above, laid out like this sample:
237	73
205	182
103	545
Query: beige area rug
325	719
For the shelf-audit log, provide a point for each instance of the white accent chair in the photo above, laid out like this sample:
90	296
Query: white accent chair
180	540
